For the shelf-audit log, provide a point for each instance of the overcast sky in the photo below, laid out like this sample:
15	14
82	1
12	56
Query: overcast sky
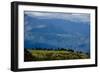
76	17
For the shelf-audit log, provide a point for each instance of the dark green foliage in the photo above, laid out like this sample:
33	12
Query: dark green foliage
27	55
70	50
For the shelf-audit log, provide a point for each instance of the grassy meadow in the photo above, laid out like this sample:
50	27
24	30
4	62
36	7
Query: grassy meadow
46	55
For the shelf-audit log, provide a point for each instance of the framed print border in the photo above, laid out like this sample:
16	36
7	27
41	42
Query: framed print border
15	31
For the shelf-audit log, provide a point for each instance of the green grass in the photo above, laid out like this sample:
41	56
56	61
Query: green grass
45	55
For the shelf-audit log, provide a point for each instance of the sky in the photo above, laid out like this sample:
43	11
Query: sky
55	29
82	17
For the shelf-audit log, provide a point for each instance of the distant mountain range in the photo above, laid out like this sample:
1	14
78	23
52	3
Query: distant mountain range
56	33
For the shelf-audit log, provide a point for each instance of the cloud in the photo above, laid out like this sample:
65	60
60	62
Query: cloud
37	13
76	17
62	35
81	17
29	36
40	26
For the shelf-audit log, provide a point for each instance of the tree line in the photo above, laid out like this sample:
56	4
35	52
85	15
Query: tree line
56	49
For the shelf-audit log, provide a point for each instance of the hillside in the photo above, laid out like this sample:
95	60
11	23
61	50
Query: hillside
47	55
